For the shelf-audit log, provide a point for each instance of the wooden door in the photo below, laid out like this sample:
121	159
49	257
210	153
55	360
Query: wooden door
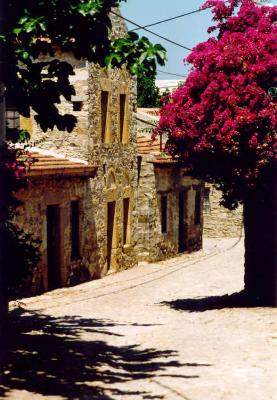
182	221
53	247
110	231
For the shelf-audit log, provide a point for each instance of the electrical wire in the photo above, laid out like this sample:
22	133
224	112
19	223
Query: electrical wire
153	33
173	18
170	73
169	19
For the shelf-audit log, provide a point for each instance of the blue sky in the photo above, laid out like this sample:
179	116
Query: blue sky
187	31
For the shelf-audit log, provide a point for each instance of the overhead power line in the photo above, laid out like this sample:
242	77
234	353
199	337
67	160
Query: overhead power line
153	33
176	17
169	19
170	73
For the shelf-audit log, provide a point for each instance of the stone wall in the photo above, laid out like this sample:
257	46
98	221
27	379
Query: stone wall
219	221
158	179
43	192
68	144
166	180
116	157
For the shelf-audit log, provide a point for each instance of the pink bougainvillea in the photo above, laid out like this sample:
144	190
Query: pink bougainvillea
13	163
222	120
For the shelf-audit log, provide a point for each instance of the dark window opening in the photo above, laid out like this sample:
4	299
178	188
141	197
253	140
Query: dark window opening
77	105
139	162
104	112
126	206
163	214
122	105
75	240
197	211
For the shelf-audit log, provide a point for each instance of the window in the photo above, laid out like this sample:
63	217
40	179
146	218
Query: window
104	114
75	240
126	208
164	214
207	202
12	118
122	121
197	210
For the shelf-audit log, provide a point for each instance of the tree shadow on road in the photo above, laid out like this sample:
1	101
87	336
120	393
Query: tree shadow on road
50	356
235	300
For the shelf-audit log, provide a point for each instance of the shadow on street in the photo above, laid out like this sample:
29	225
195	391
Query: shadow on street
235	300
49	356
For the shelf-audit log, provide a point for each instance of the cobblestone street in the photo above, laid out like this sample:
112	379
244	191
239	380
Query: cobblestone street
157	331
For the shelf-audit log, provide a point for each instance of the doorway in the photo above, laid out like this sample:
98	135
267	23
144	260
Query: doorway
110	231
53	247
182	221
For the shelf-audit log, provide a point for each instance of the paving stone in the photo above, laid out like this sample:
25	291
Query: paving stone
157	331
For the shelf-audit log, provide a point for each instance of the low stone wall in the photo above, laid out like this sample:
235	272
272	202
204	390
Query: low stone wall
219	221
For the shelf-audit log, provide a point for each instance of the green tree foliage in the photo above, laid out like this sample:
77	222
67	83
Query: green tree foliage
51	27
148	94
142	58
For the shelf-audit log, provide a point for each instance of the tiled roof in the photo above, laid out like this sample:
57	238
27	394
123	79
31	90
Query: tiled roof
153	112
146	145
50	165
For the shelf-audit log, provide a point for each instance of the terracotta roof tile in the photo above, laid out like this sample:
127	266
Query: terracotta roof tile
154	112
145	145
50	165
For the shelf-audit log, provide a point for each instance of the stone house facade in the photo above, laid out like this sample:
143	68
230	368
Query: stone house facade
220	222
169	200
102	201
55	205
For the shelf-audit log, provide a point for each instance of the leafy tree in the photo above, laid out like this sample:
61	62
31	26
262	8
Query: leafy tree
80	27
147	56
222	121
148	93
34	29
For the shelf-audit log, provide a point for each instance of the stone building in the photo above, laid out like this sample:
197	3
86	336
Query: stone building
169	200
89	212
55	205
220	222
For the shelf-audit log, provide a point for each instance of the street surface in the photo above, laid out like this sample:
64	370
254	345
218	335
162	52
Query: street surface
157	331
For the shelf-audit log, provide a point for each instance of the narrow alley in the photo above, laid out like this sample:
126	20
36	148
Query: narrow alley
157	331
